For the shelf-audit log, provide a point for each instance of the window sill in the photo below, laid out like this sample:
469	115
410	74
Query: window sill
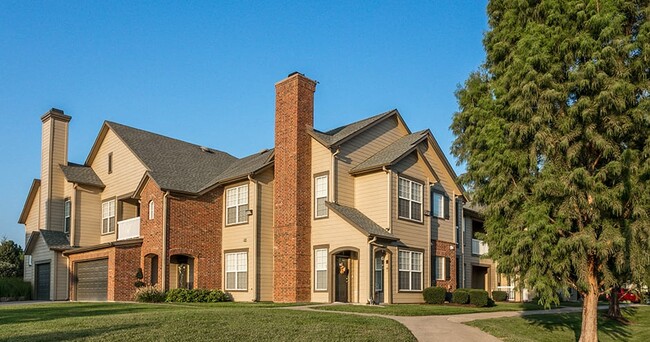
236	224
409	220
409	291
109	233
236	290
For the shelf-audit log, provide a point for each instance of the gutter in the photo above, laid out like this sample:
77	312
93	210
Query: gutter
164	243
390	199
256	274
371	287
335	192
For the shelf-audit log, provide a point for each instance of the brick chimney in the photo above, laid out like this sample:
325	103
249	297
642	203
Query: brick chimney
54	152
294	112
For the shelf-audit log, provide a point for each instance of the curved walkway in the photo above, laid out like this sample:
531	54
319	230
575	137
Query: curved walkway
448	327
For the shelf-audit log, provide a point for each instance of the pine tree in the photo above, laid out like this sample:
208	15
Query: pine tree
553	130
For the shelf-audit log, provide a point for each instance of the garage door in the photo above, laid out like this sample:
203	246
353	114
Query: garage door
92	279
43	281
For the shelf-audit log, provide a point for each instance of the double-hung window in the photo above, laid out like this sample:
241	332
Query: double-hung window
320	193
237	271
237	204
437	204
152	208
409	205
320	269
66	215
443	268
108	217
410	271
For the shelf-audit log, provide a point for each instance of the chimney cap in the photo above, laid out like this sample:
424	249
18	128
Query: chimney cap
55	113
295	73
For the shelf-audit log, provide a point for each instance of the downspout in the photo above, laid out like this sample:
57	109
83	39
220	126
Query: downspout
462	244
335	192
255	235
164	243
371	298
390	199
73	214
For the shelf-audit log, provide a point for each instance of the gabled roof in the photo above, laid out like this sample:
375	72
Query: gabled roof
175	165
243	167
392	153
81	174
55	240
337	136
360	221
447	165
31	196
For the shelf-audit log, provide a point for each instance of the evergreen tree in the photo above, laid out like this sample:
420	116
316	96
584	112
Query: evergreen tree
554	134
11	259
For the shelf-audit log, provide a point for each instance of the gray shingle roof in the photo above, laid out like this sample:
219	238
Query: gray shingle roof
55	239
360	221
391	153
80	174
334	136
245	166
174	164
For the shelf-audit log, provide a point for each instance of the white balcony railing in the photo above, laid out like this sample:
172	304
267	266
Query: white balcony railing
510	290
479	247
128	229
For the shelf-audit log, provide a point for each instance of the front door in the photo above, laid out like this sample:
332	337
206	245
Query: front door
342	276
43	281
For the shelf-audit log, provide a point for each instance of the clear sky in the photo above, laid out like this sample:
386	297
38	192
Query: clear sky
204	71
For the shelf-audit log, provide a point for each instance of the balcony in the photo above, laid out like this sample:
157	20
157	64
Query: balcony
479	247
128	229
510	290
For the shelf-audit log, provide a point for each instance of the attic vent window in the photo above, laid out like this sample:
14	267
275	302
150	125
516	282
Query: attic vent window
205	149
110	162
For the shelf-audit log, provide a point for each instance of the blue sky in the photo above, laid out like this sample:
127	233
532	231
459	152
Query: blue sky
204	71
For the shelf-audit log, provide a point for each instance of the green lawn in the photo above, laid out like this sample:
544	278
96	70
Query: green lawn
566	327
428	309
189	322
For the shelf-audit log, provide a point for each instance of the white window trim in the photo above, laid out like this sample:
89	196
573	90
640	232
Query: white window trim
237	205
316	196
410	271
442	201
110	228
67	217
410	200
237	269
441	271
322	266
152	208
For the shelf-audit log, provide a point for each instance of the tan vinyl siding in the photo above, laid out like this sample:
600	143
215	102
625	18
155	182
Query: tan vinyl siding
321	157
128	211
371	196
399	297
45	172
265	236
337	233
31	223
61	277
238	237
58	182
360	148
127	169
88	217
42	254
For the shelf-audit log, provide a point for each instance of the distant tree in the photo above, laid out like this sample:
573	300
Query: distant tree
554	133
11	259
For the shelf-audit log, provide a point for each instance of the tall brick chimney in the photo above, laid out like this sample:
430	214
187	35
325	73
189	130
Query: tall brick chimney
294	112
54	152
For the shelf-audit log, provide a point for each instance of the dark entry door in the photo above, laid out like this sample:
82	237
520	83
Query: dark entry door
43	281
92	280
379	278
342	277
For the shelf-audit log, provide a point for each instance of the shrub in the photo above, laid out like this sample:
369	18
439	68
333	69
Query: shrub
434	295
196	296
149	294
500	296
15	289
460	296
478	297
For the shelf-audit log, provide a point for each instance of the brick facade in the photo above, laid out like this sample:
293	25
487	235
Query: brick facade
151	230
444	249
294	112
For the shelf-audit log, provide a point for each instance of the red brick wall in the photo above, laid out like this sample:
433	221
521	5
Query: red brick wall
151	230
443	249
294	112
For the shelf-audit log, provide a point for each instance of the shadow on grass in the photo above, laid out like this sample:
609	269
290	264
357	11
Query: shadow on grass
573	321
72	334
46	312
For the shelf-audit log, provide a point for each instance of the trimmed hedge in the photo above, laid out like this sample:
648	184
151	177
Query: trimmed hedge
149	294
478	298
15	289
196	296
460	296
500	296
434	295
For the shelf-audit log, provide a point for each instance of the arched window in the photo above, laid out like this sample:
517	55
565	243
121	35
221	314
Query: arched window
151	209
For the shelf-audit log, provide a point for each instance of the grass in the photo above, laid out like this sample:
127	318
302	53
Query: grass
566	327
430	310
189	322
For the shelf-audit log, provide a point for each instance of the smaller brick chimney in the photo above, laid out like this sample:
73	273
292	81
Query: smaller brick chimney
54	152
294	113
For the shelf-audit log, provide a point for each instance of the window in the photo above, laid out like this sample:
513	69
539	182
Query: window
110	162
320	192
443	268
237	271
410	200
237	204
108	217
66	215
320	266
151	209
437	204
410	271
379	273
